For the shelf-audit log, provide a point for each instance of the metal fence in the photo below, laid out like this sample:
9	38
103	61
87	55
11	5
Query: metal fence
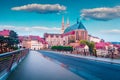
8	59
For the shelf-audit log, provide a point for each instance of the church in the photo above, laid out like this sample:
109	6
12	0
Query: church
69	34
74	33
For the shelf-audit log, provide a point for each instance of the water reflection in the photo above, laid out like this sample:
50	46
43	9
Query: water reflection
57	62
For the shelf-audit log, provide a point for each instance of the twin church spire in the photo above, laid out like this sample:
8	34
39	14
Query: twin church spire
63	24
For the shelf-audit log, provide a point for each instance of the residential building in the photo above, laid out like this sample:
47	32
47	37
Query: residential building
32	42
53	39
93	38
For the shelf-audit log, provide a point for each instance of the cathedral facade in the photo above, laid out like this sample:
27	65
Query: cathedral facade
69	34
74	33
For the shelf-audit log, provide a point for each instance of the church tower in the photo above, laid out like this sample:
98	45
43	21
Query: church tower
63	27
68	23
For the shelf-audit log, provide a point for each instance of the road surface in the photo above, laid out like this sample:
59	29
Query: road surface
87	69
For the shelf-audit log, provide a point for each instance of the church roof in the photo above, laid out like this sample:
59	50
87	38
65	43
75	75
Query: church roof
76	26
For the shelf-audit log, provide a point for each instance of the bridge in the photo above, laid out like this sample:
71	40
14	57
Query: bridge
26	64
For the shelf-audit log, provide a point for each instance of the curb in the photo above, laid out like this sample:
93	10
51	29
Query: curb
84	57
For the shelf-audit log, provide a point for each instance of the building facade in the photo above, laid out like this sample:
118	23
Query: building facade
70	34
93	38
32	42
53	39
75	33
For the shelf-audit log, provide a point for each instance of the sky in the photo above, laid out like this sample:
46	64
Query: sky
36	17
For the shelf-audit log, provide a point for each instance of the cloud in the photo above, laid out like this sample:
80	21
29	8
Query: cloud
41	8
103	13
35	30
112	32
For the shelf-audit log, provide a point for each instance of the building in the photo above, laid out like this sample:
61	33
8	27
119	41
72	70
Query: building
70	34
82	49
75	33
102	48
93	38
53	39
32	42
24	41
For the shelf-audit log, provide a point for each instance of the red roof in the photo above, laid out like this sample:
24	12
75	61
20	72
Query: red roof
37	38
5	32
81	46
20	38
52	35
69	33
102	45
117	45
31	37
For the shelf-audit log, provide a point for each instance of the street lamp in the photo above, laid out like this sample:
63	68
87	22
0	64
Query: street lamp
111	50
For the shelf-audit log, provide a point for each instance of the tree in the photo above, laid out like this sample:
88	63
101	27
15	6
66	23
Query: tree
62	48
84	42
9	43
1	44
13	34
91	45
14	37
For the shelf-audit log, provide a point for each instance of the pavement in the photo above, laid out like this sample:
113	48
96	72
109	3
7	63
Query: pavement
38	67
102	59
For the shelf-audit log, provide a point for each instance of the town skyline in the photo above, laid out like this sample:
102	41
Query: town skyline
32	17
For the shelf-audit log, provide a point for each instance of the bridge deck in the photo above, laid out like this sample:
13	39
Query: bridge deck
36	67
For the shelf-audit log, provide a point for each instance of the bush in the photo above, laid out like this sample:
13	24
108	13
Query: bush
15	48
62	48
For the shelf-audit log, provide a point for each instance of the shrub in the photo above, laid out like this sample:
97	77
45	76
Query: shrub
62	48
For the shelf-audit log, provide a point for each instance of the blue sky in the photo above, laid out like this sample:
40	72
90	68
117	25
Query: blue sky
100	17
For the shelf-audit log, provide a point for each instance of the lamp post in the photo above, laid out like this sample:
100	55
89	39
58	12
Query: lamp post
112	52
95	52
84	52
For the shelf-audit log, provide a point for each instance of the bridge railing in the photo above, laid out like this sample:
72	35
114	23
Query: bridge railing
7	60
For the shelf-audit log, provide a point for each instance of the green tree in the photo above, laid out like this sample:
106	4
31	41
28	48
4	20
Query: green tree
1	44
9	43
91	45
13	34
62	48
14	38
84	42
